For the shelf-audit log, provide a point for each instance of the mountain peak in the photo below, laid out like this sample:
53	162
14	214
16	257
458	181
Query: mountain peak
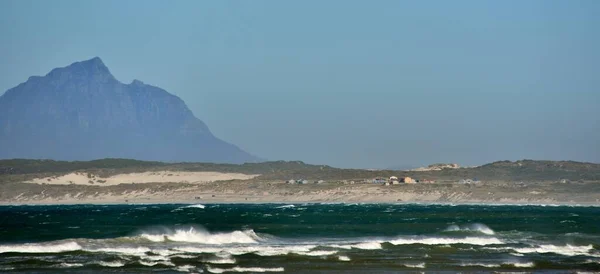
92	69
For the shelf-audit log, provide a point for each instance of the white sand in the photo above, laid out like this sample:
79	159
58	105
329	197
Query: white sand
79	178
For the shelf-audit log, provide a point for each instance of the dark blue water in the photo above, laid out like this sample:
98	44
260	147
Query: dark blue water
300	238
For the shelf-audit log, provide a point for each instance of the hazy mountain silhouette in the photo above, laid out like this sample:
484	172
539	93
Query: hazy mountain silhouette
82	112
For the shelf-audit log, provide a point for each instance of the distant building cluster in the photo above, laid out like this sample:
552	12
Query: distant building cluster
393	180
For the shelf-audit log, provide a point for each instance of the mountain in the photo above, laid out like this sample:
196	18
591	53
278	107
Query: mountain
81	112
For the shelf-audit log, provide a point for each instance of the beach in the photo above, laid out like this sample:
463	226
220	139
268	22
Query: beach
192	189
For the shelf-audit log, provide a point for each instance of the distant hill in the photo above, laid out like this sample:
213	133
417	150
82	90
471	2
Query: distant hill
81	112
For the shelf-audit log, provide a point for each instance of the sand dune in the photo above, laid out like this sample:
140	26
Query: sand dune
80	178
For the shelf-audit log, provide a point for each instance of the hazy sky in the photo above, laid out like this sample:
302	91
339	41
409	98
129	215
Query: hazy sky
347	83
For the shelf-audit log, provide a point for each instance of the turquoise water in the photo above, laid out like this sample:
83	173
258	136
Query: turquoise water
298	238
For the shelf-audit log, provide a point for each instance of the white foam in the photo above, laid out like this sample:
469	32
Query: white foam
480	228
244	269
221	261
41	248
366	246
419	265
530	264
260	250
70	265
194	235
447	241
481	265
286	206
195	206
112	264
131	251
344	258
317	253
567	250
283	250
185	268
183	256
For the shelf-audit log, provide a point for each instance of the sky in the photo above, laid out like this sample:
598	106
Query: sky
356	84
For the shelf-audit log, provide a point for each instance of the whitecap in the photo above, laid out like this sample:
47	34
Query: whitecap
419	265
480	265
344	258
567	250
229	260
317	253
70	265
480	228
112	264
196	235
244	269
372	245
286	206
447	241
156	262
41	248
131	251
262	250
185	268
195	206
529	264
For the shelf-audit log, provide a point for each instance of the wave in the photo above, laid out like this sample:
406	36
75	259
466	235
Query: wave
198	235
480	228
318	253
530	264
260	250
131	251
480	265
228	260
419	265
70	265
40	248
111	264
365	245
244	269
153	263
185	268
344	258
447	241
195	206
286	206
566	250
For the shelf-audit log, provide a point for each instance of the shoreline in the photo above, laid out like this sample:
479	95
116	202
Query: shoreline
559	204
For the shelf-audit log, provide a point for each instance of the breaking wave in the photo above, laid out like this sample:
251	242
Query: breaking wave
195	206
244	269
566	250
199	235
479	228
344	258
447	241
419	265
365	245
40	248
286	206
111	264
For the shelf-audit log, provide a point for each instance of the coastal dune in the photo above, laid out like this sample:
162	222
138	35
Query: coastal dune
83	178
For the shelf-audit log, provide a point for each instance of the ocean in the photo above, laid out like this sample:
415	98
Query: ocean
298	238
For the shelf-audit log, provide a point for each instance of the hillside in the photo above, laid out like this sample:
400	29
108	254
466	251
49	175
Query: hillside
82	112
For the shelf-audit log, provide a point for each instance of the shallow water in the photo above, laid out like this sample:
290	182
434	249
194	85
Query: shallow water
324	238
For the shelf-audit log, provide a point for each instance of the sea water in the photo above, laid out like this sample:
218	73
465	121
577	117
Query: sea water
298	238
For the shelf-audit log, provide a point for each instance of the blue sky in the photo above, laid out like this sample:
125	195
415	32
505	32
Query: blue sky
367	84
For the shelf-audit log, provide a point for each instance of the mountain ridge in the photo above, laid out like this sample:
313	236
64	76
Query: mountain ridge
82	112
